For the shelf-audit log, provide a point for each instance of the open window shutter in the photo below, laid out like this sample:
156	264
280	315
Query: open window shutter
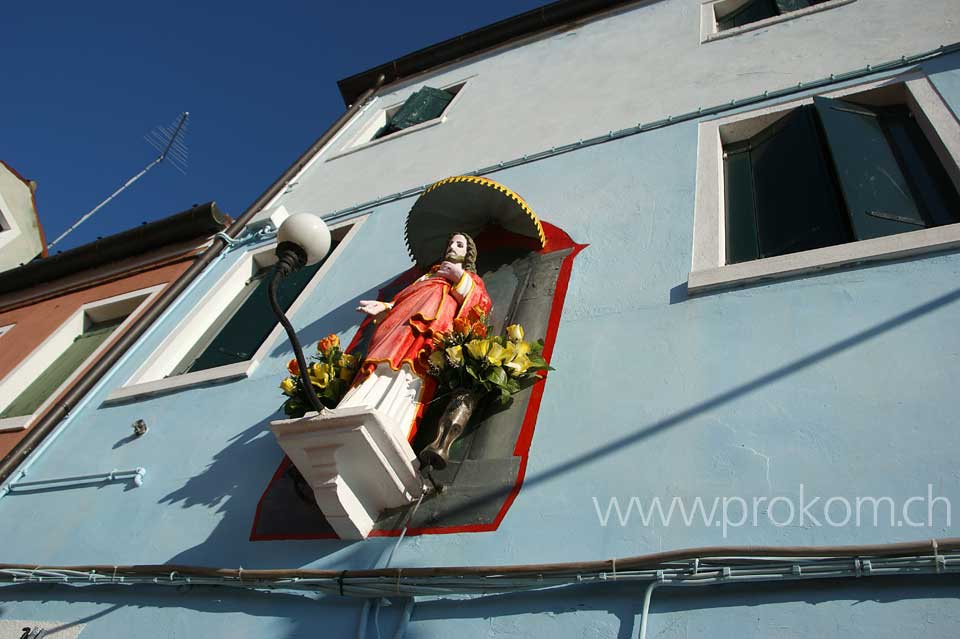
797	206
740	205
250	324
876	192
426	104
34	395
751	12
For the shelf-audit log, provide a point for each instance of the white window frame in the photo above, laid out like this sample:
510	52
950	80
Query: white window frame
126	304
154	375
709	269
363	139
9	229
708	17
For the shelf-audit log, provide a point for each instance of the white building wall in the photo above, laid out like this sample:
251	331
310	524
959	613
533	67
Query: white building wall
20	239
646	63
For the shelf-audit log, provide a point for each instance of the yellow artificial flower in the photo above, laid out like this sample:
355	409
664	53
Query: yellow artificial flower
288	386
515	332
437	360
521	348
518	366
321	374
478	348
348	361
455	354
497	354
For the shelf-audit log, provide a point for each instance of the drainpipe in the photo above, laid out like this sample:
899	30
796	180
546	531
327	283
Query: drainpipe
60	409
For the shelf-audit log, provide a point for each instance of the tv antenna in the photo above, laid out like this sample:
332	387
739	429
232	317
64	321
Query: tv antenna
169	141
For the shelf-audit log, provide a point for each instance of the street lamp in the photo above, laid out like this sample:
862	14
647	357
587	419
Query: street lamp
303	239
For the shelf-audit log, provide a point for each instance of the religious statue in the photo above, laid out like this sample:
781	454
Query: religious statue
392	376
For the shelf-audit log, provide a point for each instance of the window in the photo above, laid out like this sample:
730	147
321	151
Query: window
39	378
863	173
231	329
729	17
832	172
31	398
247	321
425	107
724	18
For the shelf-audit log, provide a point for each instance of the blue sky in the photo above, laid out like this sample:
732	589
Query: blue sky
84	82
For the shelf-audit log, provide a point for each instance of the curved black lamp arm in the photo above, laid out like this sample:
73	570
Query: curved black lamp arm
290	257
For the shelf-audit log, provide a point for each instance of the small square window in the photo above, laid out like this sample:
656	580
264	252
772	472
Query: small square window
724	18
425	107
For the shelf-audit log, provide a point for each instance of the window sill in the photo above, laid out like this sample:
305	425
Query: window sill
166	385
387	138
892	247
11	424
709	21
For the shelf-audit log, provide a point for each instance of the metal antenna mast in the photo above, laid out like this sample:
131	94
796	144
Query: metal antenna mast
168	140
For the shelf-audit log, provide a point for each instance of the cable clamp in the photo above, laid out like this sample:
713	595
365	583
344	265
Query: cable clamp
660	577
857	568
725	573
696	565
941	563
796	570
867	567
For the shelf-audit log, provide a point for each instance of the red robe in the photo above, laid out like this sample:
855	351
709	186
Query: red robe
426	307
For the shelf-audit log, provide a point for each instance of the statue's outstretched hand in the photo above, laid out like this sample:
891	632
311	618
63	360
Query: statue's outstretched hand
372	307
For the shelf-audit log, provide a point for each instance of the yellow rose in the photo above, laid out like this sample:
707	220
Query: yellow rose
437	360
288	386
518	366
515	332
320	374
497	354
348	361
455	354
478	348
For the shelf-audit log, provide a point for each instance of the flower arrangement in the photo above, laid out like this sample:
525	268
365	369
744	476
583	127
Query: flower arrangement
331	372
468	357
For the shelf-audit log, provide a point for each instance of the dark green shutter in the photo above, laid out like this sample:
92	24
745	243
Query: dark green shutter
34	395
426	104
931	186
740	206
876	191
787	189
243	328
751	12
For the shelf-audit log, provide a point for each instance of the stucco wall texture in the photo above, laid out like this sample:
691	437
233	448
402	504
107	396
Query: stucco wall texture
838	384
35	322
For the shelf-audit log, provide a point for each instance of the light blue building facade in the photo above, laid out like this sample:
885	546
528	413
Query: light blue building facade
781	393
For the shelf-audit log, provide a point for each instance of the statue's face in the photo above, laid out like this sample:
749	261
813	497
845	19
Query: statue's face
456	249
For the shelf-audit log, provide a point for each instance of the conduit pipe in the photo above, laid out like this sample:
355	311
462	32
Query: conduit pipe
62	407
18	485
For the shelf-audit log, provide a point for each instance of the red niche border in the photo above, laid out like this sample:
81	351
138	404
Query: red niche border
557	240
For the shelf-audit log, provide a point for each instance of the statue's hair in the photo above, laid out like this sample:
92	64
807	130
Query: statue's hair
470	259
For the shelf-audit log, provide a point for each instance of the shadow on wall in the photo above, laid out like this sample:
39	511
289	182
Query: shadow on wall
721	399
234	480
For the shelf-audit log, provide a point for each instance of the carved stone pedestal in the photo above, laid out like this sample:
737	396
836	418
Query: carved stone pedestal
355	462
